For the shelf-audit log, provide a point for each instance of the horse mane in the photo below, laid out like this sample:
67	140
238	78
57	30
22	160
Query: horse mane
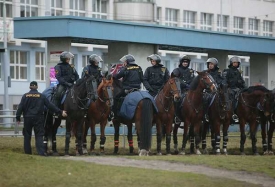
194	84
79	82
100	86
255	88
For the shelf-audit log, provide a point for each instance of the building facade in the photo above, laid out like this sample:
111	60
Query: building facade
28	58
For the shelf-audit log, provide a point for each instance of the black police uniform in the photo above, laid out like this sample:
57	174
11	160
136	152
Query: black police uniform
154	78
132	78
235	83
186	76
66	75
94	71
32	106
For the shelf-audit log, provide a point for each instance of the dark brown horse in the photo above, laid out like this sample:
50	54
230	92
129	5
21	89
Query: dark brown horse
252	102
98	112
165	103
192	112
220	112
143	119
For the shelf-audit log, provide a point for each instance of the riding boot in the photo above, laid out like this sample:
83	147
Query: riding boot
234	116
177	112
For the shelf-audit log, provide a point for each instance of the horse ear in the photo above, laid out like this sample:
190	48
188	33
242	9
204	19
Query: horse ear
199	72
109	77
172	75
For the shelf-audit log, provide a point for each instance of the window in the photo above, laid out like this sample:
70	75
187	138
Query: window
28	8
18	65
253	26
189	19
99	9
1	113
223	23
56	8
40	66
206	21
77	7
267	28
138	1
0	66
8	8
171	17
85	59
238	25
159	16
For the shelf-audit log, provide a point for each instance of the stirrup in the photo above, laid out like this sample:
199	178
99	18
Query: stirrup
206	117
55	115
235	118
177	120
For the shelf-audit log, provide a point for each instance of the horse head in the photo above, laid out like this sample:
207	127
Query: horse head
105	91
207	81
174	84
266	103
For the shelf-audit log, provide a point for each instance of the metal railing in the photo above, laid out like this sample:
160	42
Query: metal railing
8	123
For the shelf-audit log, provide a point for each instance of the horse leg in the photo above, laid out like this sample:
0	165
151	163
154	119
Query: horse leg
197	136
270	135
175	138
79	136
85	133
253	130
102	136
168	136
216	127
243	136
116	136
204	132
68	136
159	136
56	124
93	138
192	139
185	137
263	132
225	134
130	138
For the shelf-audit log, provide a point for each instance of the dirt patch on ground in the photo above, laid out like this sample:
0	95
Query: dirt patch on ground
254	178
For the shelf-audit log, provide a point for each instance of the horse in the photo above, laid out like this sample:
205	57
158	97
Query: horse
251	103
165	104
192	113
143	119
75	105
99	112
220	112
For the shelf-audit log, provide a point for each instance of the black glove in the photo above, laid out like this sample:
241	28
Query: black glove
18	118
69	84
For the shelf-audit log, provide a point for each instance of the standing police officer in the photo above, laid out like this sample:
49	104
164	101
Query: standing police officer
32	106
186	76
65	74
155	76
93	69
235	82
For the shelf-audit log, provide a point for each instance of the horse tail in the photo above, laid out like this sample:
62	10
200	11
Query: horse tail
146	124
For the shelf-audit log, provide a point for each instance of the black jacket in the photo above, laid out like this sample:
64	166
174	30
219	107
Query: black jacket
217	76
65	73
32	105
94	71
234	78
186	76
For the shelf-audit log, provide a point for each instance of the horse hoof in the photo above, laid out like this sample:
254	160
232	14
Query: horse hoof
115	153
242	153
176	152
225	153
85	151
55	153
198	152
271	153
205	152
182	153
102	153
266	153
92	153
168	154
143	152
159	154
256	154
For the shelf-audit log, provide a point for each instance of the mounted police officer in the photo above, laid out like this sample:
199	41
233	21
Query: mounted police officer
32	106
155	76
65	74
186	76
93	69
132	77
213	70
235	82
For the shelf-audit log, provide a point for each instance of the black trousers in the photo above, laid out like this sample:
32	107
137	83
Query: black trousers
36	123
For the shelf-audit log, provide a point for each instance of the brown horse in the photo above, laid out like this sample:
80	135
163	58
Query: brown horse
191	111
165	103
98	112
220	112
143	119
252	101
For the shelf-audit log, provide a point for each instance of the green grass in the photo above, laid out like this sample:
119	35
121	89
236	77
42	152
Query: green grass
18	169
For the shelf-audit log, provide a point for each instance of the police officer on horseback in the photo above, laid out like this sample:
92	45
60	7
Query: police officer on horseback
235	82
213	70
155	76
186	76
66	75
93	69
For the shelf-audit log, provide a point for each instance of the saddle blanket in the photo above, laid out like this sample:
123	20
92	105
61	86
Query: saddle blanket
131	101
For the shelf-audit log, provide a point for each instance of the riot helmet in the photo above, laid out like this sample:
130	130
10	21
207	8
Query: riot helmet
214	61
184	59
234	59
95	59
154	57
129	59
65	55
